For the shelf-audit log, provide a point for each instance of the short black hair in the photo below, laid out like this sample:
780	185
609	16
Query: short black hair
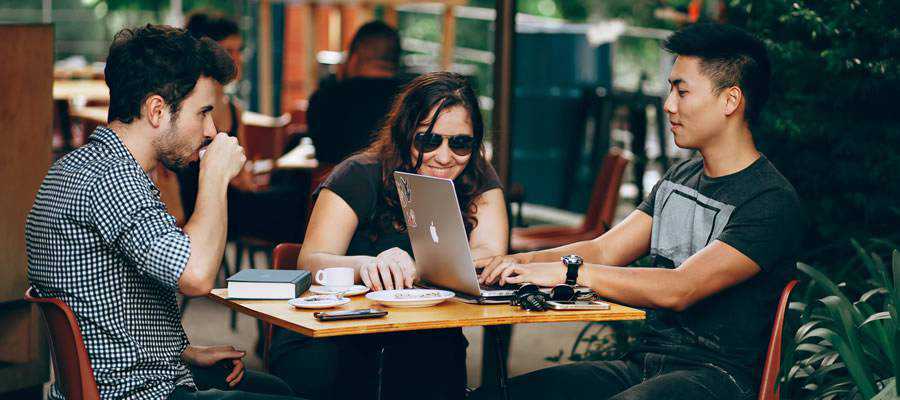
213	25
162	60
729	56
377	40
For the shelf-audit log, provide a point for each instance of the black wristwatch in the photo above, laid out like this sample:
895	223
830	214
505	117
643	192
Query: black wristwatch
572	262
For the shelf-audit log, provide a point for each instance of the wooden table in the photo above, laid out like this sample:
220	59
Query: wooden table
449	314
88	89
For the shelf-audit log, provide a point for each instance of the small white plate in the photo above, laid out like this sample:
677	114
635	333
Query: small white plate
410	297
347	290
318	301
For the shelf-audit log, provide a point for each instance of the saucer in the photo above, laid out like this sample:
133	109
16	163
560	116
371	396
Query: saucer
410	297
318	301
347	290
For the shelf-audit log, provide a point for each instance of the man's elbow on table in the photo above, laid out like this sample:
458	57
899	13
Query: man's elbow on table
193	284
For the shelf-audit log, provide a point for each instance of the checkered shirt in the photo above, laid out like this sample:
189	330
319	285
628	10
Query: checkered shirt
100	239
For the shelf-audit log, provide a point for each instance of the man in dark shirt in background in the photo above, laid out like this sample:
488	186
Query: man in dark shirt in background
722	231
343	113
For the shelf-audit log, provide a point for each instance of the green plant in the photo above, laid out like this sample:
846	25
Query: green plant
845	348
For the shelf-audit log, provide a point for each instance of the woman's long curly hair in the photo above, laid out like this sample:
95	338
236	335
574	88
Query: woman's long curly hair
439	91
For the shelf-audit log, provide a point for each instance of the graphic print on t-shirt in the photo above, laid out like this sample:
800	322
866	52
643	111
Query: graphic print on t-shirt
684	222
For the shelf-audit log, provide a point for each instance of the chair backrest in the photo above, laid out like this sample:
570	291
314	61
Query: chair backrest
70	359
772	367
284	256
605	194
263	135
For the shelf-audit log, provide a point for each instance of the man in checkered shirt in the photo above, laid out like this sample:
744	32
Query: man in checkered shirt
100	239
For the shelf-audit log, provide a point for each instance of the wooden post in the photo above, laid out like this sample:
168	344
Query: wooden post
26	115
264	58
448	42
390	15
351	19
504	44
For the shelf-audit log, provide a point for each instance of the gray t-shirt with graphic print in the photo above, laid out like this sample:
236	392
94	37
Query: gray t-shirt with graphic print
756	211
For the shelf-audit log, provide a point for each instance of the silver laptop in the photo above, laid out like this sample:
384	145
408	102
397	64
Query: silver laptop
439	241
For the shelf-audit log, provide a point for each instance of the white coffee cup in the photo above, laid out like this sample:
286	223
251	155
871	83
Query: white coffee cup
338	276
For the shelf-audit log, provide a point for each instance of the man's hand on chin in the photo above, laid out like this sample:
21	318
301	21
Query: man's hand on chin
205	357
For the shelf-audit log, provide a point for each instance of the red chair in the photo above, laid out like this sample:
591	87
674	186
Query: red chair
70	359
284	256
597	220
767	389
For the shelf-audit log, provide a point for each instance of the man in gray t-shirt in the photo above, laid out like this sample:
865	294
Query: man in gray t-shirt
722	231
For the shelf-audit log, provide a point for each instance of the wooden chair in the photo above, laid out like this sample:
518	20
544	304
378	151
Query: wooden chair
597	220
285	256
772	366
71	365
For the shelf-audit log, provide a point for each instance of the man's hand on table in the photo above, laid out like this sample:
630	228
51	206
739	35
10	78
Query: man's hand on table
491	267
205	357
509	269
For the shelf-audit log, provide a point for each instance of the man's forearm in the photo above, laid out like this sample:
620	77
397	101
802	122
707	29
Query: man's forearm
207	229
642	287
590	250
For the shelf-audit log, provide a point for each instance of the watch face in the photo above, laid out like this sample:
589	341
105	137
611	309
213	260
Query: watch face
572	259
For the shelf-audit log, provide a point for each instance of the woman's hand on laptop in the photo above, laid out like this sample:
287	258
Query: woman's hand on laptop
493	266
392	269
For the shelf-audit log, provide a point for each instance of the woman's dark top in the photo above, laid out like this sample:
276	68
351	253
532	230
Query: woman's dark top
357	180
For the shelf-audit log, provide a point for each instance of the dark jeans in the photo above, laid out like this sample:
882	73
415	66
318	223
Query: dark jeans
635	377
422	364
255	385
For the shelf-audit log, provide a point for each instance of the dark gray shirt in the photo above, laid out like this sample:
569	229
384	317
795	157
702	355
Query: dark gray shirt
99	238
756	211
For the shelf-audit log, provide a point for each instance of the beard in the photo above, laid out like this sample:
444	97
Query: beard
172	150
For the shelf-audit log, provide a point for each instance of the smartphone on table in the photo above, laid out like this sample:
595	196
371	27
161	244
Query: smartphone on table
349	314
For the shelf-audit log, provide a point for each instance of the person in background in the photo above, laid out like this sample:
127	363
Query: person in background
100	239
227	112
344	113
434	128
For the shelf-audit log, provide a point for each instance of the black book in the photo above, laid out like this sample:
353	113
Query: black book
268	284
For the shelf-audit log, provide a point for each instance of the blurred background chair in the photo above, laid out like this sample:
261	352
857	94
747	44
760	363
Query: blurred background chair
285	256
597	220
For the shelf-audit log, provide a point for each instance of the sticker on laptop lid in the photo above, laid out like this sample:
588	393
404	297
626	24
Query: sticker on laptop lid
403	190
410	218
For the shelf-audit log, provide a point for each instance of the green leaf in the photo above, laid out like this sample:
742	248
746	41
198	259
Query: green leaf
846	340
877	317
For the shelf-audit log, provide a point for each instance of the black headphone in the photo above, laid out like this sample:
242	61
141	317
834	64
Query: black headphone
530	297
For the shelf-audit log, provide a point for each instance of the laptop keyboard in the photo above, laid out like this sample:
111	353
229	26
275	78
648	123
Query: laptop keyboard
508	286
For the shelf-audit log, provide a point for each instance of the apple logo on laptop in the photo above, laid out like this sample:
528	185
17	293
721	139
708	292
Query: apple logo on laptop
434	235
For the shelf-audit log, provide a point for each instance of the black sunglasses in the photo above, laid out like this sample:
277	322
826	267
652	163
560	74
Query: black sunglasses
460	145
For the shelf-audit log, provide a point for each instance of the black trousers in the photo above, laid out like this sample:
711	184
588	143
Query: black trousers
427	364
636	377
255	385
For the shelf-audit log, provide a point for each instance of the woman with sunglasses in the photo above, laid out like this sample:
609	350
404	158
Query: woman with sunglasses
434	128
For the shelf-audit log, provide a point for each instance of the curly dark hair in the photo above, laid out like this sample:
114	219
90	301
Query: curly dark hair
162	60
393	144
213	25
